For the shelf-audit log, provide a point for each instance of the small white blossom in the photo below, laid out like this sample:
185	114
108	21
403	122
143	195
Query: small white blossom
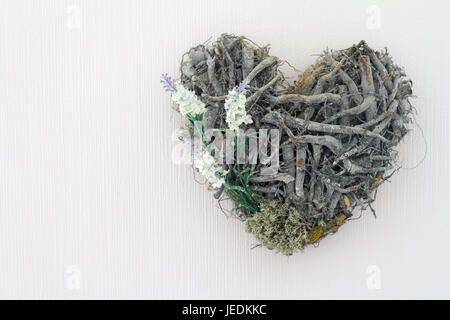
235	108
207	166
187	100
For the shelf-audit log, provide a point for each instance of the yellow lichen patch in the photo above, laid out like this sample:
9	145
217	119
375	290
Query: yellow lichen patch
347	201
300	162
341	220
380	178
315	234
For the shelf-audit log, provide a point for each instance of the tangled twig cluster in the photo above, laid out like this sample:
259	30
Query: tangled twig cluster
340	122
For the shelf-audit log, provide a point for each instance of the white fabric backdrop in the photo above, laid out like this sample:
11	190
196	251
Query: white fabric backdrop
91	205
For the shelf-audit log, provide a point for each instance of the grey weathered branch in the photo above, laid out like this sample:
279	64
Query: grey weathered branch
261	66
369	102
309	100
300	170
252	99
352	88
328	141
274	118
283	177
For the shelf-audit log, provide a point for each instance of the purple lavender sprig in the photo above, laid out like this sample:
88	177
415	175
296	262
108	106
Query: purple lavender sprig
168	83
243	87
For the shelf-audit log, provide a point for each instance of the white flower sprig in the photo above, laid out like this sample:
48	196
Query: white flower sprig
235	107
189	104
208	167
193	108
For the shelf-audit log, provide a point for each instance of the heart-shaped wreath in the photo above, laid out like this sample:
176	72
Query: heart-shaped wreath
331	133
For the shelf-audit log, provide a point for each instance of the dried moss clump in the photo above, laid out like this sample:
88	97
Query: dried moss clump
279	227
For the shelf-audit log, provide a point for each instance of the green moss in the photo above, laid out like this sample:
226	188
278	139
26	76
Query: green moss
279	227
283	228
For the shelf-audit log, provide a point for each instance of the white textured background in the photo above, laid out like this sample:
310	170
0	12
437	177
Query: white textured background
91	205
